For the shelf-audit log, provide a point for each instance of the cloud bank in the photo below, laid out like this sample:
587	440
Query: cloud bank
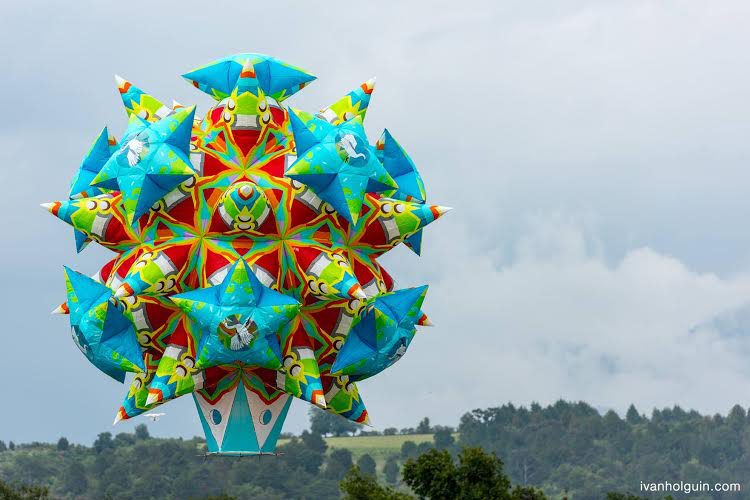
595	152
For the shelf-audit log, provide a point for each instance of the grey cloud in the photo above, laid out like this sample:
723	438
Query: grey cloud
595	153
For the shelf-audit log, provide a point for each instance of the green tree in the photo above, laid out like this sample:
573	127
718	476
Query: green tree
62	444
8	492
357	485
338	463
478	475
342	426
632	416
390	431
443	438
527	493
123	439
408	449
323	422
320	421
74	478
141	432
2	446
424	447
391	469
103	442
11	445
366	464
314	442
424	426
432	475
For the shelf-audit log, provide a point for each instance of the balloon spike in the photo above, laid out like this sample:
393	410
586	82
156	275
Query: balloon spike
61	309
119	416
425	321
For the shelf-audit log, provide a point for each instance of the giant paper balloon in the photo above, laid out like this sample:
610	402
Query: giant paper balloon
246	247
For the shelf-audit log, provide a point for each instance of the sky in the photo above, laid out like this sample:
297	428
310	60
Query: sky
595	154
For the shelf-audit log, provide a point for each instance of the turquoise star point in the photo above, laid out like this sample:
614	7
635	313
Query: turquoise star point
239	319
149	162
337	163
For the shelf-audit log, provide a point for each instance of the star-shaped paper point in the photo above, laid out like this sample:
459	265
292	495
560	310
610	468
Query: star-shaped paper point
239	318
150	161
337	162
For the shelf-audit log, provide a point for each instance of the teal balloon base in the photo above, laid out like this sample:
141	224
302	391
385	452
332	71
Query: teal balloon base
241	422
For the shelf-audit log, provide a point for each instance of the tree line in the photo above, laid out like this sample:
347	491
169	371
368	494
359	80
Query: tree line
565	450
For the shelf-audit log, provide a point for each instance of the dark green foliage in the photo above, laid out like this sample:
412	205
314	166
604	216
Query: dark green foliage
2	446
9	492
565	449
123	439
338	463
423	447
326	423
366	465
141	432
571	446
390	431
11	446
424	426
103	442
74	478
62	444
432	475
357	485
527	493
391	469
632	416
126	467
476	476
443	438
436	475
370	433
408	449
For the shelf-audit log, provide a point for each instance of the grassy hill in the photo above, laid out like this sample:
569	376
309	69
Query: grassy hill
378	447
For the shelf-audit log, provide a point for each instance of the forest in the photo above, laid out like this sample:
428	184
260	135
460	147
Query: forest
565	450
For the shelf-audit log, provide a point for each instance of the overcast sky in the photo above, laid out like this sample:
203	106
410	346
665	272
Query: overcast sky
596	154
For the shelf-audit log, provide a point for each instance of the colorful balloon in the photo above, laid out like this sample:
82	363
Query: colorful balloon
246	245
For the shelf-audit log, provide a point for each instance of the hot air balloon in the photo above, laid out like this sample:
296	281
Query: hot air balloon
246	245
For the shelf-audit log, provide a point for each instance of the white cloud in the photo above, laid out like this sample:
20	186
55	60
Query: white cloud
560	322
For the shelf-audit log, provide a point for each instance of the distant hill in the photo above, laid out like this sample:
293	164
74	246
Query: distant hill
572	447
566	449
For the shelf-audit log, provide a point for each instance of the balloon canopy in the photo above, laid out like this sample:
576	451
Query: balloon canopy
246	245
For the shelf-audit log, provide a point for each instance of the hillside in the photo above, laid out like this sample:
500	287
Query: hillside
378	447
565	449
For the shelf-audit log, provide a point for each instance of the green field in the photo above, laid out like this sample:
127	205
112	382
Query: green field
378	447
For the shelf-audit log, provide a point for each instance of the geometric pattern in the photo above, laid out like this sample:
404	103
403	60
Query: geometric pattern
246	244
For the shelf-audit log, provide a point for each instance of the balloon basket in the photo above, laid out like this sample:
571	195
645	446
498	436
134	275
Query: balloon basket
240	422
